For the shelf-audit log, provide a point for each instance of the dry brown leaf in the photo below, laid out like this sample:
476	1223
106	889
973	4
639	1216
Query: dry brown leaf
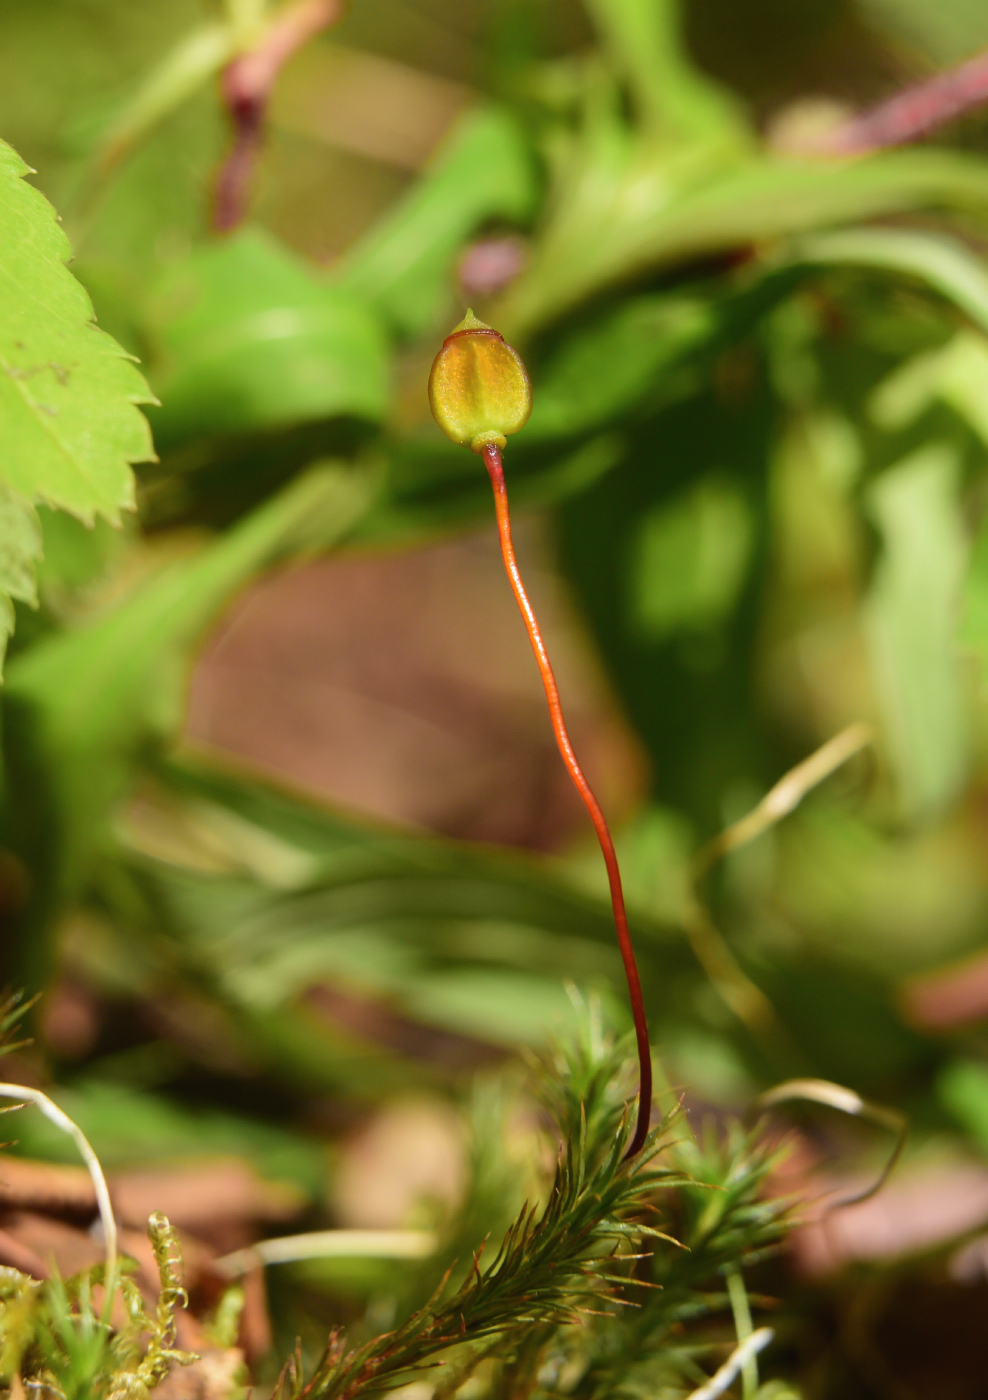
53	1241
45	1187
949	997
220	1202
409	1151
923	1208
213	1377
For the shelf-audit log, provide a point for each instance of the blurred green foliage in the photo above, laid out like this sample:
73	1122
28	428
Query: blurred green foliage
759	439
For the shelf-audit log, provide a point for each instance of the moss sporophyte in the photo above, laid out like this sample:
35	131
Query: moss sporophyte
480	393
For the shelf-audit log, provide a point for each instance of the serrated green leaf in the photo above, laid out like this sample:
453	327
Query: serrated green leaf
75	557
68	394
69	425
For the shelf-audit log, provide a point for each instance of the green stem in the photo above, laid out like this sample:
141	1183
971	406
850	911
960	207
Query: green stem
738	1295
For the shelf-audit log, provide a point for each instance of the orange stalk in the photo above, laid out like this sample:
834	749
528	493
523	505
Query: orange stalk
479	392
492	460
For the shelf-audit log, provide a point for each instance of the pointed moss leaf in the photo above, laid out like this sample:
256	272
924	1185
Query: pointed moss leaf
404	265
20	546
68	421
249	338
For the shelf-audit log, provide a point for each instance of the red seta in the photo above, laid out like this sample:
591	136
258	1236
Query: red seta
492	459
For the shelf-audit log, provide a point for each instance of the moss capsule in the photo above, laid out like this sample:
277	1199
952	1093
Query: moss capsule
479	389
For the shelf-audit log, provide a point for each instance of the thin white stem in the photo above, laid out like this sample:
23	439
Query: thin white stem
845	1101
734	1364
61	1120
329	1244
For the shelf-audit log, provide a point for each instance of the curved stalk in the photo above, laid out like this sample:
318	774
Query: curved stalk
62	1120
492	459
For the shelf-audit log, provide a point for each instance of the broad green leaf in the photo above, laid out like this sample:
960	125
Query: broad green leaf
943	264
956	375
275	896
428	490
94	699
503	1006
689	560
681	688
249	337
643	39
948	31
963	1090
909	623
198	57
973	631
625	206
69	425
75	557
271	898
403	266
613	369
246	17
844	1018
604	368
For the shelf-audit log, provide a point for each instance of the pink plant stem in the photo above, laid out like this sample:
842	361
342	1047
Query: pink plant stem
246	85
913	112
492	458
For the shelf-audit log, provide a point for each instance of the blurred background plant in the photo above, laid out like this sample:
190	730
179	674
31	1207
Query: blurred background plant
284	842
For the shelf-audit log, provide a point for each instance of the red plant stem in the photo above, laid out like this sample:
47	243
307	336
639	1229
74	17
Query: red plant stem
492	458
246	86
913	112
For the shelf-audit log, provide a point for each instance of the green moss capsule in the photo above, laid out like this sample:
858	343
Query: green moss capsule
479	389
